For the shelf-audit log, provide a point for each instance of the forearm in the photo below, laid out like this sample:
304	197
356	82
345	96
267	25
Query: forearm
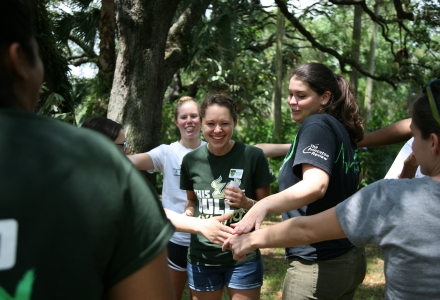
274	150
391	134
296	196
141	161
285	234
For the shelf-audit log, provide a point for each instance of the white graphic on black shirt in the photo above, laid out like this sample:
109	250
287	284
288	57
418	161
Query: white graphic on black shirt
313	150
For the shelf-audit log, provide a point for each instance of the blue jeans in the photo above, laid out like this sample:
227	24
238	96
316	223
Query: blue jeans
336	278
244	276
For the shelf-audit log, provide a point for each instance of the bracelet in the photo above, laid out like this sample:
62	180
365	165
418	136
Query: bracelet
253	203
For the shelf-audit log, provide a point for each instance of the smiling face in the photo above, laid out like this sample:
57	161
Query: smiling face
188	120
303	101
218	127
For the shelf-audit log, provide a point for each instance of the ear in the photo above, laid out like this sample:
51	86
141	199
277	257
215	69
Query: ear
235	123
18	61
325	98
435	147
175	122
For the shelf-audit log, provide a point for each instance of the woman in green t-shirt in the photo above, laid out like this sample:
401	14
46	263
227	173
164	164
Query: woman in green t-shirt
223	177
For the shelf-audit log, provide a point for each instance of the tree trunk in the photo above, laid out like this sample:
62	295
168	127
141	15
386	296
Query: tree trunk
279	78
371	65
107	54
355	46
139	85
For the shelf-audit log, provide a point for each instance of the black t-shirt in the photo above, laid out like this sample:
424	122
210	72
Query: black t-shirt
76	217
323	142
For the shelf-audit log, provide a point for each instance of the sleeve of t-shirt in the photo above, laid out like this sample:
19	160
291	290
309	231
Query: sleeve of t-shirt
397	166
263	174
144	229
316	146
361	216
157	156
185	179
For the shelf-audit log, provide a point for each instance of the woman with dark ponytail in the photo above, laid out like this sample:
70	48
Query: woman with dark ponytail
401	216
320	170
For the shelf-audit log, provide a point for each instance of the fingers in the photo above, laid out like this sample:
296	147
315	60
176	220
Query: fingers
188	213
226	244
223	218
239	257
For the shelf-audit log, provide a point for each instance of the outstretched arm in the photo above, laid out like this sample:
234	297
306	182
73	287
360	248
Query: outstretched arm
391	134
290	233
149	282
311	188
273	150
142	161
211	228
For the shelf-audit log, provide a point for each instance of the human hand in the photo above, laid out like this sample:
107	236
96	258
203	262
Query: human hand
409	167
411	160
235	197
253	218
240	245
214	230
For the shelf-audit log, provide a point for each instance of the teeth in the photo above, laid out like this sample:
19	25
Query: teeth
217	138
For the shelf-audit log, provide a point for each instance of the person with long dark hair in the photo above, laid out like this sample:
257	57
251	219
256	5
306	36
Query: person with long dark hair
320	170
402	216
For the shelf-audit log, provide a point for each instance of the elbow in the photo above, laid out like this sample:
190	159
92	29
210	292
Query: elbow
321	190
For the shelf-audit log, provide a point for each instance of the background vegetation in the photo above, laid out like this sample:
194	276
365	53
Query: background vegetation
387	48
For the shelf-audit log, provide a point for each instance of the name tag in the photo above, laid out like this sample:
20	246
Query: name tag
236	173
8	243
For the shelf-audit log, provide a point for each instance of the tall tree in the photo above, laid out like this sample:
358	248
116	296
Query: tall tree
356	45
150	53
107	52
279	78
371	64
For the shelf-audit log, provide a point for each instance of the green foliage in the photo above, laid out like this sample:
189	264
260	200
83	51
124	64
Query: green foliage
53	107
86	93
55	64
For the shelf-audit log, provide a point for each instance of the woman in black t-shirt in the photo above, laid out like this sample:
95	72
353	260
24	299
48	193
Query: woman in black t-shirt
320	170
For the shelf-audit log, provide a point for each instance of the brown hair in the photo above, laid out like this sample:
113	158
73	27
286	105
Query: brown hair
342	104
422	115
221	99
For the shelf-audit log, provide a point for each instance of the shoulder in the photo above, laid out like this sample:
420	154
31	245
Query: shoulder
325	120
199	152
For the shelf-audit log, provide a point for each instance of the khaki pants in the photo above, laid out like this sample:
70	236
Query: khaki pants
335	278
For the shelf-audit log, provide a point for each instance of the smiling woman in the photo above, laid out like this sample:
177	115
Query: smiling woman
320	170
225	177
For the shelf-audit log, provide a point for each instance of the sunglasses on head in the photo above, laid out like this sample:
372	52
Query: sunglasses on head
124	145
432	103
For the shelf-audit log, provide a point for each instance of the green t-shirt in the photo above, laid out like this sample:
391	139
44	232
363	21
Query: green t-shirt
75	214
207	175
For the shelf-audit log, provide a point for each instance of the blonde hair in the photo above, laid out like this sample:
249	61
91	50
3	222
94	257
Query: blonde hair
182	101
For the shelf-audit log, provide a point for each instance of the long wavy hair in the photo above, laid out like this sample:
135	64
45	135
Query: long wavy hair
342	104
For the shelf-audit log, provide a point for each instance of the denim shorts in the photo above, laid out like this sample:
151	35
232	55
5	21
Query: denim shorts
177	256
244	276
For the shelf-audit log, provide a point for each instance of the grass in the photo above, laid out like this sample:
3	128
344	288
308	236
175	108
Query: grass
373	287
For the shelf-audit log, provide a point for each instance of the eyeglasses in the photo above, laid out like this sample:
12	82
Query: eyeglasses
124	145
432	103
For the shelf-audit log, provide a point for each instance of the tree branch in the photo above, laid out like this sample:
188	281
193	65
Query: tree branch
87	50
342	60
179	33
